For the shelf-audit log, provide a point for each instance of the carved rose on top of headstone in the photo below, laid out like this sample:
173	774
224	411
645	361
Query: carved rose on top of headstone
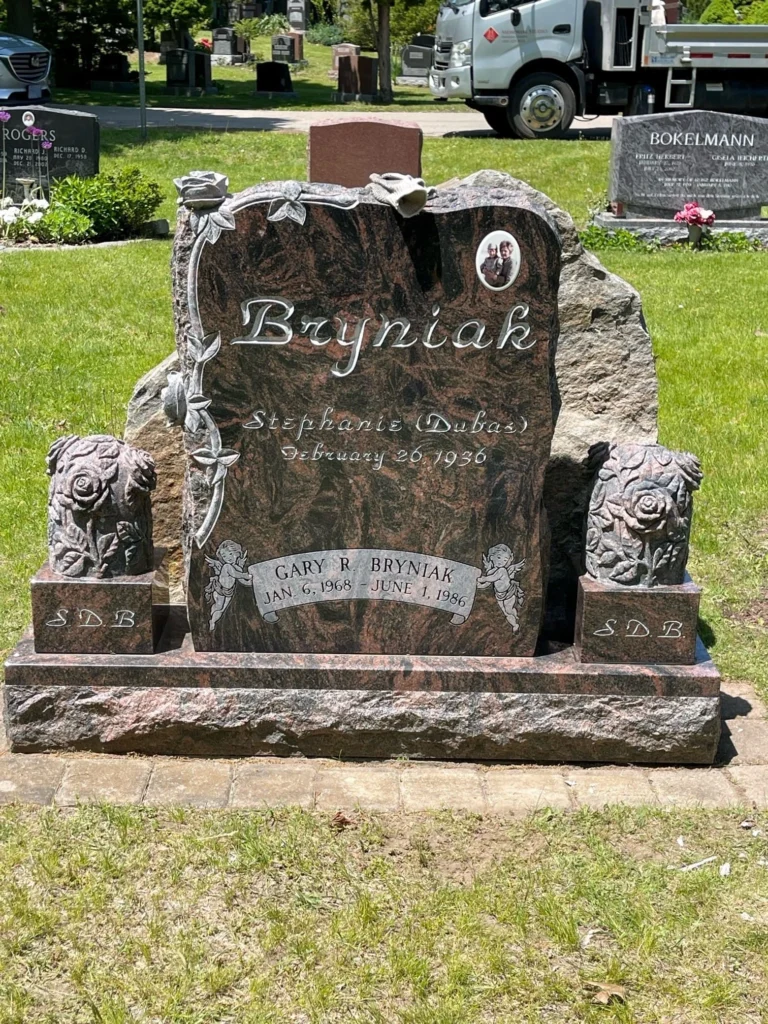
639	520
99	511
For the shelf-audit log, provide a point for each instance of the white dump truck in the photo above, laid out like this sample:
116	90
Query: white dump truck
531	66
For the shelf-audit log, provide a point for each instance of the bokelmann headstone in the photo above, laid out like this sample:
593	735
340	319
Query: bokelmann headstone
369	407
659	162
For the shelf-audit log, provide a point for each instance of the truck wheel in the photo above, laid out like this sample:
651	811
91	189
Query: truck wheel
496	118
541	106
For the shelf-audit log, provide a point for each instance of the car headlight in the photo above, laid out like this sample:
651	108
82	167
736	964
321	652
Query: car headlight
461	54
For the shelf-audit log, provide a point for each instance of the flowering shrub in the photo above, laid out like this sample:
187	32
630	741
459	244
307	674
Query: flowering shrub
18	222
693	214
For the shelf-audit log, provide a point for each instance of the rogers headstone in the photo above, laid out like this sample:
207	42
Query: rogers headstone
74	149
659	162
369	409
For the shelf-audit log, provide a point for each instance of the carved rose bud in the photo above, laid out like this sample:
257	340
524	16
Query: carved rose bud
175	399
647	508
84	490
202	189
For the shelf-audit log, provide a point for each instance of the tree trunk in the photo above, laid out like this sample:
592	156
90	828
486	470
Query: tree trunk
385	54
20	18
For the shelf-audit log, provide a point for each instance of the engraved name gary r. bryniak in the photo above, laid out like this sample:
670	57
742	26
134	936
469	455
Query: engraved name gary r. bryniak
372	574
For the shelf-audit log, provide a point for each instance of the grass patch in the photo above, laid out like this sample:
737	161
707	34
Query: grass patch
565	170
237	88
113	915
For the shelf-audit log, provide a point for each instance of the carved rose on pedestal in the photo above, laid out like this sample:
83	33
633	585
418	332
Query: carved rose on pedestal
99	511
639	520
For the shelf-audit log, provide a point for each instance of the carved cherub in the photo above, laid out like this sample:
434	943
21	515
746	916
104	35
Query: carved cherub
228	568
500	569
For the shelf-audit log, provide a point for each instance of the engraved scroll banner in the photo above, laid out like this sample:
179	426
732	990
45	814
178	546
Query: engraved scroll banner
367	574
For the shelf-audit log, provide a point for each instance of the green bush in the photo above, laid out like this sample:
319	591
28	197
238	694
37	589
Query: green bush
325	34
64	226
116	204
756	14
269	25
720	12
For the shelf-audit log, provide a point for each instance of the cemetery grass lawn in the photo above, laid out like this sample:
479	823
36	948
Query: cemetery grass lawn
110	915
237	89
571	172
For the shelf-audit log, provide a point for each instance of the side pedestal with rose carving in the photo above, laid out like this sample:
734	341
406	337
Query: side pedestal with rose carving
636	603
368	396
99	592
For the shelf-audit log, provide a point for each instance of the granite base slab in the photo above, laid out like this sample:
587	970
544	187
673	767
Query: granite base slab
667	230
547	708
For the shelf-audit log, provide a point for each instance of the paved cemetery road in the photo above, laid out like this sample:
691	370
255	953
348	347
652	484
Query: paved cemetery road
434	123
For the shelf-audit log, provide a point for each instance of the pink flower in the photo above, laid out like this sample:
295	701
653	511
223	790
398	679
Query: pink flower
46	144
35	132
692	213
4	116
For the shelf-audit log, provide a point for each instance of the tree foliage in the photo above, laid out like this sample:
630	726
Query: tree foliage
178	15
80	32
720	12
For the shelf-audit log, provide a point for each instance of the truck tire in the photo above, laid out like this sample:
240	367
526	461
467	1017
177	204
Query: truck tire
496	118
541	106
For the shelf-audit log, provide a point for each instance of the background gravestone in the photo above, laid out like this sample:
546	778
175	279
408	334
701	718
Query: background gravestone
370	146
342	50
659	162
75	148
274	76
358	78
416	62
403	459
288	48
297	15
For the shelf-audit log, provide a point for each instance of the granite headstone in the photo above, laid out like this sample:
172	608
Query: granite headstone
343	50
273	76
416	61
369	407
287	48
659	162
74	150
347	151
297	15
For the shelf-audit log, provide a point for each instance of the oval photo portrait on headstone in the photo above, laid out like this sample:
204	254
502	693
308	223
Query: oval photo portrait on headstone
498	260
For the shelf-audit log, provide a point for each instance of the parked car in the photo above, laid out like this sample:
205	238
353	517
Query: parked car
24	69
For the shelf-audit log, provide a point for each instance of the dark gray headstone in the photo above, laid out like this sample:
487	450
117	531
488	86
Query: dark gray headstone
297	15
369	410
285	49
416	61
659	162
74	150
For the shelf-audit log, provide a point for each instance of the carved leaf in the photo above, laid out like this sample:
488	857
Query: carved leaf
75	537
635	459
592	566
198	402
609	558
624	572
205	456
227	457
212	344
192	421
73	563
223	219
195	348
129	532
107	546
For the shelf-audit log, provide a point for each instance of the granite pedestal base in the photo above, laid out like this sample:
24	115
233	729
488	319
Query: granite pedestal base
547	708
667	230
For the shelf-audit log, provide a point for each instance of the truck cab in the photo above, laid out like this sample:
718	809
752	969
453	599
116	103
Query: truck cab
531	66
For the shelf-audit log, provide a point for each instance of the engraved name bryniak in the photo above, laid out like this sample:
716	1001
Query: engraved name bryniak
263	315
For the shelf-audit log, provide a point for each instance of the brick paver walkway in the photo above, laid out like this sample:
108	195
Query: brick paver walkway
741	779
